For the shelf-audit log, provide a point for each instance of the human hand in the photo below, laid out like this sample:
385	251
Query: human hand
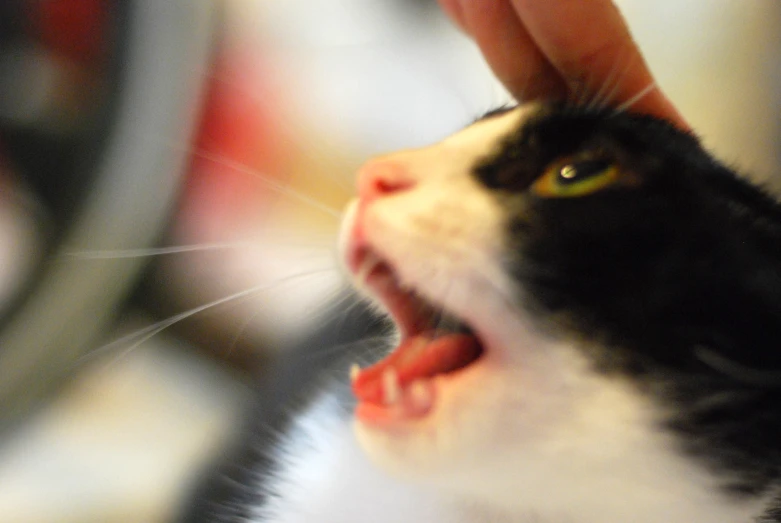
551	49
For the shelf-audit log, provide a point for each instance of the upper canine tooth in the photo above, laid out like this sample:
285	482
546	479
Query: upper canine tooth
355	370
370	261
391	388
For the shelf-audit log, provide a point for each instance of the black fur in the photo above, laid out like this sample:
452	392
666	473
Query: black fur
684	261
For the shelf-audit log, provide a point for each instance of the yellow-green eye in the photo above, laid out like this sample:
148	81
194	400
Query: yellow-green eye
575	178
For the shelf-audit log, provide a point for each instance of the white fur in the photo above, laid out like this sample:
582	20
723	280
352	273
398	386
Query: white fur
529	433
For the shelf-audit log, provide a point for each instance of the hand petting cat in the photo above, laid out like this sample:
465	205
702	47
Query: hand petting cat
555	48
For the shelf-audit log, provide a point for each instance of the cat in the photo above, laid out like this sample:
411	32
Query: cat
588	309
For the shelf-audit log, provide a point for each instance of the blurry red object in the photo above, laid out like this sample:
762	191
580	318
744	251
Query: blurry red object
72	28
238	147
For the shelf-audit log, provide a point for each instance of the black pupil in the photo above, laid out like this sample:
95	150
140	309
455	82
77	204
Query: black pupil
579	171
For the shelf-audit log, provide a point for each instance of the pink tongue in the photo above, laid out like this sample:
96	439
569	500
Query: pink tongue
417	357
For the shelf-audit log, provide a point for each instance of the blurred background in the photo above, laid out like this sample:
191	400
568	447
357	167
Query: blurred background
171	179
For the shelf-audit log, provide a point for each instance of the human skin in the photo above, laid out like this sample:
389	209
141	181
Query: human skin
555	49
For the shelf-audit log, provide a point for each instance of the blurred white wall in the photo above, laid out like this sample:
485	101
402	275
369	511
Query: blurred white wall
720	62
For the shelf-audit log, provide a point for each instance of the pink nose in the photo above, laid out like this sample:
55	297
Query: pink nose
382	178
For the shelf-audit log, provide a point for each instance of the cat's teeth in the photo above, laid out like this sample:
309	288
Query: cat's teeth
355	370
391	389
370	261
421	396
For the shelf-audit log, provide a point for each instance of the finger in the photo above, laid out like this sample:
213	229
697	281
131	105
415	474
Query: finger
508	47
587	41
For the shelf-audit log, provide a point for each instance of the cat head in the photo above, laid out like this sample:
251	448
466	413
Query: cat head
589	309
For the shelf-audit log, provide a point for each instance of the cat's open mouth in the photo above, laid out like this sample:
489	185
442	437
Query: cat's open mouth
433	345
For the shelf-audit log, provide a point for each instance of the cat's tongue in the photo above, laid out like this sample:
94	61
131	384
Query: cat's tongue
400	385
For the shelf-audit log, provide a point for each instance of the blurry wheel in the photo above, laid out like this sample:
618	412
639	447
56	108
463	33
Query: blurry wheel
108	181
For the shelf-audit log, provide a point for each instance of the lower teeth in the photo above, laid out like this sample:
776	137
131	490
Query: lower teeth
391	389
421	396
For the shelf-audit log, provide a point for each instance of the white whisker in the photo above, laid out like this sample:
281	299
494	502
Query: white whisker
273	184
636	98
371	347
338	300
609	96
583	89
255	173
240	332
153	251
308	242
260	93
142	335
605	93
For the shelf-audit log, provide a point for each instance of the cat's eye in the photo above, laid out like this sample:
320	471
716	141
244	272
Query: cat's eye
575	178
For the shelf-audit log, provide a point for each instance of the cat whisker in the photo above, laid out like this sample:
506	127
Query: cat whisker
369	345
153	251
341	297
284	130
602	97
609	96
636	98
240	333
188	149
140	336
579	90
338	305
114	254
717	400
585	89
270	182
732	369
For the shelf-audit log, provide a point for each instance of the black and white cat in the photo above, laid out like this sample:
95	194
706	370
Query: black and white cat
588	309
